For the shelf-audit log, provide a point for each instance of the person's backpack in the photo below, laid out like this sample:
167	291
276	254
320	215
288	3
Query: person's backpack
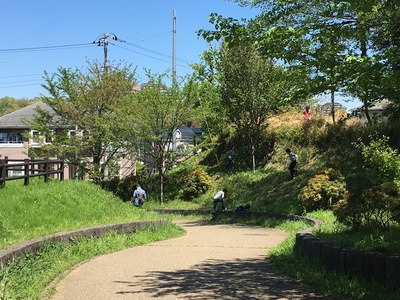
141	197
243	208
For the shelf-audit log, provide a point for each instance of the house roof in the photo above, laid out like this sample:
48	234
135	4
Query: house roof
189	132
336	104
377	106
19	118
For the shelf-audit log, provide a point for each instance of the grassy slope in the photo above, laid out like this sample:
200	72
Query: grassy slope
40	209
270	189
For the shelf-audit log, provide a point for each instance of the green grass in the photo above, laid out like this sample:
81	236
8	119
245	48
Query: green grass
369	239
31	277
41	209
27	212
311	272
269	190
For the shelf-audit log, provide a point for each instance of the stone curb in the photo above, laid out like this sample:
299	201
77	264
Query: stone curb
382	267
32	246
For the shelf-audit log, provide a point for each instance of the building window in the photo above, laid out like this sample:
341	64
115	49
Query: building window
11	138
35	137
72	133
48	138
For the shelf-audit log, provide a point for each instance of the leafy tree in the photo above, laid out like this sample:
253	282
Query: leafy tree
97	104
159	111
349	46
252	89
10	104
211	111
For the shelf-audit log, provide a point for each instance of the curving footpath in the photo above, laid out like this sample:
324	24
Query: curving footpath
212	261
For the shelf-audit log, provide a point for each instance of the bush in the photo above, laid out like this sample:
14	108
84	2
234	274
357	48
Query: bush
197	182
380	162
376	206
323	190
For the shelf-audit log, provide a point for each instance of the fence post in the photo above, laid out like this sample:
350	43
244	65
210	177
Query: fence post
33	166
3	172
26	171
62	170
46	169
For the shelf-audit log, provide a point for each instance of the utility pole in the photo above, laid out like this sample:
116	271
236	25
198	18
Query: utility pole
174	47
103	41
105	45
174	81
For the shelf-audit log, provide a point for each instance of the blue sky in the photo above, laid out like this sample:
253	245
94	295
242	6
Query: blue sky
61	33
70	27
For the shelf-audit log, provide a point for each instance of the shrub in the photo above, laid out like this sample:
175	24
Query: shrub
376	206
197	182
381	162
373	199
323	190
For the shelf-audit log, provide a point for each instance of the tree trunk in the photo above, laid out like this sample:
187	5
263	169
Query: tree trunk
161	186
333	105
253	158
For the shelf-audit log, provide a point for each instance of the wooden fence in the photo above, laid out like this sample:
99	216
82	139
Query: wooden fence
13	169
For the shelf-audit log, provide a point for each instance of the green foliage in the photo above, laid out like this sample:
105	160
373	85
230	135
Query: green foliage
376	206
381	162
373	194
323	190
196	183
375	200
10	104
165	109
249	102
124	187
96	104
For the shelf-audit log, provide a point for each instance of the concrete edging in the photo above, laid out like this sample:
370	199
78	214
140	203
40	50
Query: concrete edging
32	246
382	267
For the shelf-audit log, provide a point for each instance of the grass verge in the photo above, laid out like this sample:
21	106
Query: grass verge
28	212
28	277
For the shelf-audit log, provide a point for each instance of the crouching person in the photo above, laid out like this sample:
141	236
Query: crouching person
219	197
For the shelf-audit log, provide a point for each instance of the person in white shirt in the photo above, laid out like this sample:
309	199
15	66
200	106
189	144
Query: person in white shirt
219	197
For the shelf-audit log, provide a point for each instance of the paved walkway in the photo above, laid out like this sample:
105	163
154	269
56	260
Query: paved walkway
212	261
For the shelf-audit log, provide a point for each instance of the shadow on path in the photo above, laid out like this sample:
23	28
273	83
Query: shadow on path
238	279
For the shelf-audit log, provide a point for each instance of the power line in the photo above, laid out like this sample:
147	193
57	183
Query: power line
17	76
21	81
20	85
156	36
44	48
156	52
163	60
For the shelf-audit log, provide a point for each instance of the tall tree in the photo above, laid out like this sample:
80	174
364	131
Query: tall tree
361	36
97	105
159	111
252	89
208	75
